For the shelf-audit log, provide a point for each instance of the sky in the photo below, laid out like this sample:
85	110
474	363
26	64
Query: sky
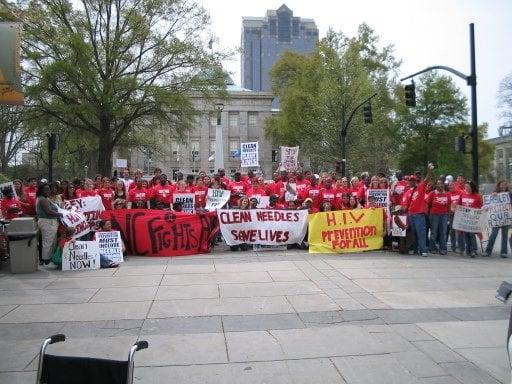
423	32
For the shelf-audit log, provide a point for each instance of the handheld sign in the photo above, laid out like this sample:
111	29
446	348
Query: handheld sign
216	198
187	201
249	155
110	245
80	255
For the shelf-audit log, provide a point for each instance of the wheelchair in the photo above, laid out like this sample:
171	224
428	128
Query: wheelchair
54	369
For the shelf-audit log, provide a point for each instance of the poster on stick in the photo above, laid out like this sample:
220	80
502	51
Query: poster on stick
249	156
262	226
289	158
499	209
469	219
110	245
187	200
80	256
354	230
217	198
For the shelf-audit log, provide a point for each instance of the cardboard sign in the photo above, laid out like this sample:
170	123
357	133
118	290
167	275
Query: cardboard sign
499	209
353	230
398	225
76	220
289	158
262	226
110	245
187	200
380	197
217	198
249	156
469	219
80	256
91	207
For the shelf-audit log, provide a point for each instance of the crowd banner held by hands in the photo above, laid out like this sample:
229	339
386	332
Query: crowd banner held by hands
499	209
399	225
187	201
9	184
110	245
289	158
91	207
249	156
163	233
217	198
80	255
263	226
381	197
470	219
346	231
76	220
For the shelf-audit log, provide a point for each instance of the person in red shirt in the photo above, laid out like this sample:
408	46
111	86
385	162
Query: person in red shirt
460	183
398	188
161	193
223	178
11	206
88	189
258	188
439	203
341	188
308	204
238	189
454	198
30	197
200	192
273	203
301	186
327	193
106	193
470	198
313	192
139	197
344	202
413	202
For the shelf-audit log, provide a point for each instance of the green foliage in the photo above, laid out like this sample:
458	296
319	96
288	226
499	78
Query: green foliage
320	90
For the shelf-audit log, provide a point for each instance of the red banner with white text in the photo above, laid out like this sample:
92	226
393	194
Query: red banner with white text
163	233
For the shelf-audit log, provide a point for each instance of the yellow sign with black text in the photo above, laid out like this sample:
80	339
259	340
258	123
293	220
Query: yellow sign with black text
355	230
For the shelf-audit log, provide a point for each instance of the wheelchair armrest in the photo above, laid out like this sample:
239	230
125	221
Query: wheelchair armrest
141	345
57	338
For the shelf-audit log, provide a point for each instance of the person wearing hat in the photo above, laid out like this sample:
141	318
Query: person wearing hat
413	202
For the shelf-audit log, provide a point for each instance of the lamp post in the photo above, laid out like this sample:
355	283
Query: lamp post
86	168
219	142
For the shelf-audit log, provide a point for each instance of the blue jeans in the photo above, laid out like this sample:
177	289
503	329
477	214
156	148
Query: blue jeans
418	227
438	227
467	240
504	240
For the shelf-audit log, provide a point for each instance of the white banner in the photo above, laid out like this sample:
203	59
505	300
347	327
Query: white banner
10	184
110	245
91	206
289	158
80	255
249	156
217	198
76	220
469	219
499	209
263	226
398	225
187	200
380	197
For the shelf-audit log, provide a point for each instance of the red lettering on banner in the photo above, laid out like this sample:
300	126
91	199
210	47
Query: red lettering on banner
254	236
358	219
331	218
235	217
277	216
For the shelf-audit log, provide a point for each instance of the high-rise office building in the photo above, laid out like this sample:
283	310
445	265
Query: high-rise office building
265	38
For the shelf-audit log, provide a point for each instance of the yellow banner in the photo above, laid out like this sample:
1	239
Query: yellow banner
353	230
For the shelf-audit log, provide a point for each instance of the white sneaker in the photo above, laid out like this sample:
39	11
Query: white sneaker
51	265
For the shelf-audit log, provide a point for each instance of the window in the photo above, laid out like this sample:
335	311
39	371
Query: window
252	118
175	150
233	120
499	153
194	150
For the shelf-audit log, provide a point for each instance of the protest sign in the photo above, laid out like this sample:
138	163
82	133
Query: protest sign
499	209
346	231
249	156
91	207
110	245
80	255
9	184
187	200
262	226
121	163
217	198
380	197
469	219
163	233
290	193
76	220
263	201
289	158
398	225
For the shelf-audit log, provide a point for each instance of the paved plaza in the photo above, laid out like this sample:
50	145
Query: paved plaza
269	317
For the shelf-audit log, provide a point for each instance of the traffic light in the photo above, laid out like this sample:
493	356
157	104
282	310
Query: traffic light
410	95
460	144
367	113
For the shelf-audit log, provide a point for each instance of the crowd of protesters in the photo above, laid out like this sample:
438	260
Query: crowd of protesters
427	202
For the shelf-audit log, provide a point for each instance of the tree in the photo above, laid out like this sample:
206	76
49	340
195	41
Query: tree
14	134
318	90
429	130
505	98
109	67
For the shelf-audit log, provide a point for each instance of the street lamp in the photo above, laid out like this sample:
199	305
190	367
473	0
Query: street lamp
219	145
86	168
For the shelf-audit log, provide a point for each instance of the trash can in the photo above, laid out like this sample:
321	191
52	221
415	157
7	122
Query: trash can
23	252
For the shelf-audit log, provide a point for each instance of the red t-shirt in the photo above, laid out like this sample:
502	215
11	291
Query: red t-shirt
455	197
87	193
313	192
471	200
237	188
30	198
162	193
11	203
200	193
439	202
398	191
301	186
107	195
257	191
414	199
276	206
327	195
139	195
